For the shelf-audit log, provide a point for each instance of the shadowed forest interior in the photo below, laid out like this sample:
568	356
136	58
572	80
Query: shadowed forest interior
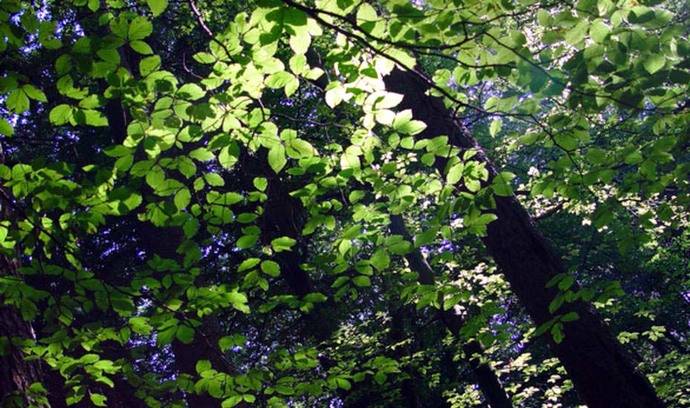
344	203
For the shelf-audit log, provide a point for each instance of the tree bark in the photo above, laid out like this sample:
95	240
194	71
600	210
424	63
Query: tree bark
164	242
599	367
16	373
488	381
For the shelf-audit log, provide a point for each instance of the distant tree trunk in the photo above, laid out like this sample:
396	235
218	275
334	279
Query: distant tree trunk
600	369
488	381
408	388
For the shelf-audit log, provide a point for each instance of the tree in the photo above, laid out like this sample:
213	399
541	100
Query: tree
311	203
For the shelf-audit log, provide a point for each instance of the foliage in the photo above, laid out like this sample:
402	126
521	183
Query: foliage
199	196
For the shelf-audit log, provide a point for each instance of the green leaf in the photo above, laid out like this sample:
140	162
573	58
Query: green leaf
246	241
232	401
17	101
283	244
349	160
214	179
248	264
202	365
182	198
276	158
566	141
473	185
543	17
298	63
344	246
412	127
190	92
387	100
380	259
149	65
260	183
61	114
633	158
495	127
501	184
455	173
167	332
557	332
300	42
278	79
34	93
654	62
98	400
139	28
556	303
342	382
201	154
185	334
227	342
570	317
270	268
576	34
366	14
361	281
238	301
599	31
294	17
566	282
92	117
141	47
140	325
315	297
229	155
157	6
109	55
299	148
335	95
204	58
5	127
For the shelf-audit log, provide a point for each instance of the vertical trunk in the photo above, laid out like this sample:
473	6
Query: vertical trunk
597	364
164	242
284	215
408	389
16	374
485	377
186	357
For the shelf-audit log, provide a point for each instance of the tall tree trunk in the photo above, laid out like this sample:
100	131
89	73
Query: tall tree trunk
16	373
202	348
164	243
284	215
600	369
408	388
488	381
